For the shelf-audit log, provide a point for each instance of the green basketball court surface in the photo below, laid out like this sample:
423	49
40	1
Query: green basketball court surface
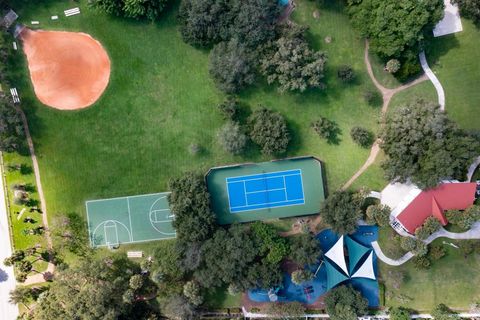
133	219
269	190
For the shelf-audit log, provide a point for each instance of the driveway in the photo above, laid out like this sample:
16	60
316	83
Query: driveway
7	279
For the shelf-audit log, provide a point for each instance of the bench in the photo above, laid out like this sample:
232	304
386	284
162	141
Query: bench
134	254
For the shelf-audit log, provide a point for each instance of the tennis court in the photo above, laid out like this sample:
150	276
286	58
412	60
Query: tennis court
132	219
268	190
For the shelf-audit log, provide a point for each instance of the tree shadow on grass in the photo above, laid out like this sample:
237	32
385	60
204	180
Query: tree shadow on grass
438	47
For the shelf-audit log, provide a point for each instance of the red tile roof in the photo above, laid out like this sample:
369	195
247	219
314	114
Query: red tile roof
447	196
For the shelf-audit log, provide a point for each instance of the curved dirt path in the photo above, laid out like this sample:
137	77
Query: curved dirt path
387	95
37	278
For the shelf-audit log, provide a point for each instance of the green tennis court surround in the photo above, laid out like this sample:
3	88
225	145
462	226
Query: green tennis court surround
268	190
129	220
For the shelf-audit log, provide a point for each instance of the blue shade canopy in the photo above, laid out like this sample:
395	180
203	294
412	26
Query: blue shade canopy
356	252
334	276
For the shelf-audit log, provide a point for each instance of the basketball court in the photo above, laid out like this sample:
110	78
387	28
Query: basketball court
132	219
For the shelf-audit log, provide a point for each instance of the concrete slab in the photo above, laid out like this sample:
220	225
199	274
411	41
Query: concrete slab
451	22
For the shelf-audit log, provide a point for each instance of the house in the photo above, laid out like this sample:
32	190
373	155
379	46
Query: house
414	205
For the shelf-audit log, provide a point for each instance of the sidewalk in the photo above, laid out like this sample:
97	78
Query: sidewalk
7	279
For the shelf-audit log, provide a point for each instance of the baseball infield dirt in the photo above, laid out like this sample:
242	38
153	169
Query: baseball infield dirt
69	70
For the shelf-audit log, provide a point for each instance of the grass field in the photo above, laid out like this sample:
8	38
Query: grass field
161	99
454	59
452	280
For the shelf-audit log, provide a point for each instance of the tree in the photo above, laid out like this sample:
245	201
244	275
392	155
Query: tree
345	303
421	262
285	310
416	246
89	289
345	73
150	9
304	249
269	131
326	129
231	138
442	312
11	126
229	108
136	282
378	214
192	291
429	227
301	275
190	203
361	136
341	211
21	295
372	97
399	313
394	28
393	65
469	9
291	63
272	246
69	233
178	308
423	145
436	252
231	67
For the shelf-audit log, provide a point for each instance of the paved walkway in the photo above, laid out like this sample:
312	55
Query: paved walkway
473	233
472	168
387	95
7	278
433	78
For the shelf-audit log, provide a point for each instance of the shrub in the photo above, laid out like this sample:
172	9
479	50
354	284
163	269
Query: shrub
362	136
301	275
421	262
345	303
231	67
436	252
229	108
399	313
392	66
429	227
269	131
372	97
231	138
346	73
326	129
192	291
469	9
285	310
416	246
150	9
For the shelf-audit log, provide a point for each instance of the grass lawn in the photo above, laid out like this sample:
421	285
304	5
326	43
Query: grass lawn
452	280
454	59
373	178
21	240
385	78
161	99
424	90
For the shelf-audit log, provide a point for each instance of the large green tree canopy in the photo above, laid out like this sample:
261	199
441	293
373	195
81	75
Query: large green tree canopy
341	211
395	28
423	145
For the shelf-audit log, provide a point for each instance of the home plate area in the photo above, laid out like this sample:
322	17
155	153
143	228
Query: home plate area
132	219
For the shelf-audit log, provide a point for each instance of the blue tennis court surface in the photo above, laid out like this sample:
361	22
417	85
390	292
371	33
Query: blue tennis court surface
263	191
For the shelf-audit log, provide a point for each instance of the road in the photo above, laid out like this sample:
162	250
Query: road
7	279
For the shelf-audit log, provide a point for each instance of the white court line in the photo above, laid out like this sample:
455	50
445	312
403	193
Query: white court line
105	233
285	188
265	173
88	226
265	178
136	196
245	193
264	208
275	202
266	190
115	221
141	241
130	220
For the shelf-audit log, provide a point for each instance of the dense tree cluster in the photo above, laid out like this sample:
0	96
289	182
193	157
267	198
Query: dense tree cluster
464	219
11	126
305	249
268	129
150	9
290	62
416	246
396	29
345	303
423	145
378	214
442	312
231	66
399	313
341	211
469	9
190	203
287	310
207	22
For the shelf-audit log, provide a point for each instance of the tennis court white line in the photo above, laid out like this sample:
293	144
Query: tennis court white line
130	220
136	196
301	180
285	189
103	223
266	208
262	204
265	173
266	190
245	193
140	241
254	179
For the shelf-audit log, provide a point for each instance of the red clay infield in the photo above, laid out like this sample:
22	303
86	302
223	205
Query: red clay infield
69	70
